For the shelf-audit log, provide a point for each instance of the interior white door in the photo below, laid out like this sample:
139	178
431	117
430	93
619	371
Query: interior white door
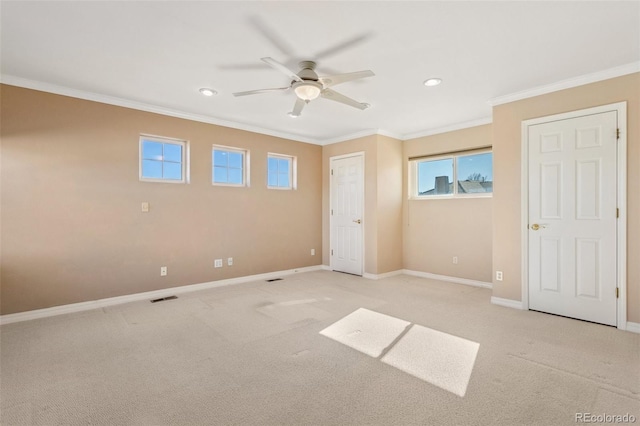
347	202
572	217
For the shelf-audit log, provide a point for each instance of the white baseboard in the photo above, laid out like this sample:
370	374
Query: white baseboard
156	294
507	303
371	276
633	327
456	280
381	276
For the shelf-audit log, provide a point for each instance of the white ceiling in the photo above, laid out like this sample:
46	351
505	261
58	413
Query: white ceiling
158	54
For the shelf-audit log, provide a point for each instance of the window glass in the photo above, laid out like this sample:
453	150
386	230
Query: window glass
475	173
172	153
152	150
152	169
435	177
172	171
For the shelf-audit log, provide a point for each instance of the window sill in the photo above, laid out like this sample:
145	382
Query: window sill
451	197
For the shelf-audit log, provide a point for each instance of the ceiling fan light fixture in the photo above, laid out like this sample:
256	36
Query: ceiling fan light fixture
307	90
208	92
292	115
432	82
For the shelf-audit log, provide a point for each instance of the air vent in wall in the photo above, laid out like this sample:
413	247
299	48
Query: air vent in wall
162	299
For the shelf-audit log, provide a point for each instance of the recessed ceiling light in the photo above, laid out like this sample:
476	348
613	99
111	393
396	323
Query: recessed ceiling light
432	82
208	92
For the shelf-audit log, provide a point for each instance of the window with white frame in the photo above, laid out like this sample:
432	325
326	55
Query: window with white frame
163	159
453	175
230	166
281	171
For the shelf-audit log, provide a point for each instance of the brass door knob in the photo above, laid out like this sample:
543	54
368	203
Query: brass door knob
358	221
537	226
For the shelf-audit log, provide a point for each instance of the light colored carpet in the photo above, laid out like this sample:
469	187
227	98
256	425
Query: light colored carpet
253	354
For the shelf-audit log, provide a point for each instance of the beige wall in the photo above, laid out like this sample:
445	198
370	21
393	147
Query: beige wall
436	230
72	229
383	205
72	226
507	121
389	207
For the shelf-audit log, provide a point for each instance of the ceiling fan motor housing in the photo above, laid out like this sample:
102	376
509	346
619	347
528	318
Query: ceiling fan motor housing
307	71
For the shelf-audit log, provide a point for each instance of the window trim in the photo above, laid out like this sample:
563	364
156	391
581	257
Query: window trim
293	171
245	165
165	140
413	175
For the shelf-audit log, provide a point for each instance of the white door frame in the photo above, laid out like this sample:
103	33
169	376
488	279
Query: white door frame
331	160
621	196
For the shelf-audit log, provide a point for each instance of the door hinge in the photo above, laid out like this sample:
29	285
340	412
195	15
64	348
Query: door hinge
617	212
331	212
617	292
617	133
331	172
331	252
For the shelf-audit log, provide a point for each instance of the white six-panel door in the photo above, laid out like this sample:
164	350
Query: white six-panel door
572	217
347	202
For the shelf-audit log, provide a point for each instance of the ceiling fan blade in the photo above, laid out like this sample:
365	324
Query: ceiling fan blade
270	34
255	92
297	108
332	95
342	46
280	67
332	80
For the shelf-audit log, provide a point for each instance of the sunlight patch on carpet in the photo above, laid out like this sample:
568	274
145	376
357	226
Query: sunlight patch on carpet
438	358
435	357
366	331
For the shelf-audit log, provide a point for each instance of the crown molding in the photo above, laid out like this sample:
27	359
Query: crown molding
568	83
112	100
449	128
361	134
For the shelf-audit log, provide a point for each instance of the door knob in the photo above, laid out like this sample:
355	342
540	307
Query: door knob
537	226
357	221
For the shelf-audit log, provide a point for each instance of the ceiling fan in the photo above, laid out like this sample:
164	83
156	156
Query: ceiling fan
308	86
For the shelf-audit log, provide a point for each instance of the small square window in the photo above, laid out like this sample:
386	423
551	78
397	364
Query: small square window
281	171
230	166
163	159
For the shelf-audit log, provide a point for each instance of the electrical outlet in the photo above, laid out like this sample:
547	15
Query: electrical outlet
217	263
163	271
145	207
498	275
313	252
230	261
455	260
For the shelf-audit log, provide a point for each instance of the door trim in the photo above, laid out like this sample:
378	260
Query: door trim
331	160
621	196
